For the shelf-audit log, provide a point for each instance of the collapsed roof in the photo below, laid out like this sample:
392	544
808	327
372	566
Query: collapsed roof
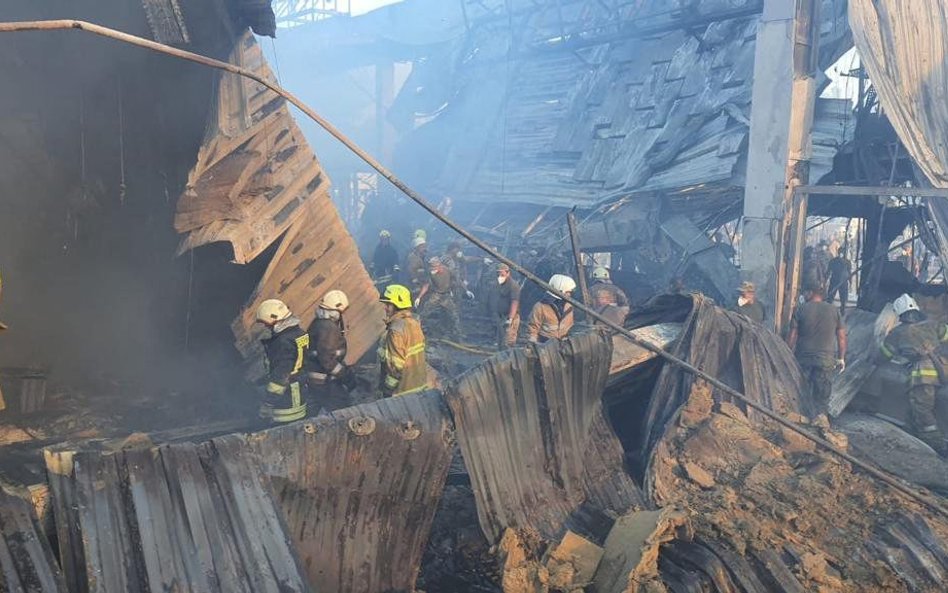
574	102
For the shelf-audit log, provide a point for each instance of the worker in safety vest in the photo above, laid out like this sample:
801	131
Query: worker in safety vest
608	299
402	348
552	317
286	350
328	347
916	344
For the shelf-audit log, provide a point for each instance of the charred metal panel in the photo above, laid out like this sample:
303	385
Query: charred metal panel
538	448
257	180
359	489
173	518
26	560
739	352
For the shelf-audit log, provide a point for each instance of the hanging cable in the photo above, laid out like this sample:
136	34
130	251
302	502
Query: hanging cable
897	485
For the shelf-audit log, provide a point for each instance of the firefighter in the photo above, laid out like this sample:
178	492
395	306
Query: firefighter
327	339
818	338
608	299
440	306
455	260
415	267
552	317
503	306
385	258
916	344
402	348
286	351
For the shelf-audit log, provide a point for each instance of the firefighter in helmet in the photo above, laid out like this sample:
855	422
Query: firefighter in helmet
402	347
328	346
286	349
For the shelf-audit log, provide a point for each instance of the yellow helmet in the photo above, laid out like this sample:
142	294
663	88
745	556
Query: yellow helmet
600	273
334	300
397	295
272	310
421	234
385	234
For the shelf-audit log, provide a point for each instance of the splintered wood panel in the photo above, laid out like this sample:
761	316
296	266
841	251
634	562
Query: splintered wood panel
317	255
359	489
255	169
256	180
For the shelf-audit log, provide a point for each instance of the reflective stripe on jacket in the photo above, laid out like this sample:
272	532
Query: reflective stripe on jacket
286	355
917	346
401	352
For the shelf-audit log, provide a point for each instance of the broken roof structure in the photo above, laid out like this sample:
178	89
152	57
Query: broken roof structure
576	102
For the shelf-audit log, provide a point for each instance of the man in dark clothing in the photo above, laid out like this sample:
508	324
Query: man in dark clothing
608	299
818	338
286	350
747	303
814	268
385	259
839	271
327	336
503	306
439	308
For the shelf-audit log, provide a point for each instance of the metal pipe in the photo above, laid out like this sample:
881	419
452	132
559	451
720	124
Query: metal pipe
578	257
421	201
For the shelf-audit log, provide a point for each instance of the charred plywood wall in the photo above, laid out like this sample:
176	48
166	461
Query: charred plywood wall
359	489
256	180
538	447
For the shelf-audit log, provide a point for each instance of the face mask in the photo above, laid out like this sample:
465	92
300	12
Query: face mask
501	279
741	301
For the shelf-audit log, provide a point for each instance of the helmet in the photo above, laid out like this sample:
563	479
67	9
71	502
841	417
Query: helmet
272	310
502	267
562	283
334	300
600	273
904	304
418	241
421	234
397	295
384	234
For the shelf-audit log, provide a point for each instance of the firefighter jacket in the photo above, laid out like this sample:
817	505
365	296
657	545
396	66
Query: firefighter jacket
402	356
550	319
286	354
917	346
327	342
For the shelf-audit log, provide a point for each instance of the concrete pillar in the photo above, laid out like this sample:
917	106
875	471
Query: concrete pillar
779	148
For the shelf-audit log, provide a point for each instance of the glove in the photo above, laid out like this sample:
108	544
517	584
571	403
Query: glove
469	295
417	302
840	365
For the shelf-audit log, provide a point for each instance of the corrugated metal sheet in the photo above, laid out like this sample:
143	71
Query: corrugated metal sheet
256	180
359	489
734	349
535	441
173	518
26	560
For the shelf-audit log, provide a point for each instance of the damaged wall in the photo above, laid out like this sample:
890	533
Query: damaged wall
258	180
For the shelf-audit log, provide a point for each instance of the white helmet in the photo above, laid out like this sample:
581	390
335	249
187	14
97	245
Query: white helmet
418	241
562	283
272	310
600	273
334	300
904	304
